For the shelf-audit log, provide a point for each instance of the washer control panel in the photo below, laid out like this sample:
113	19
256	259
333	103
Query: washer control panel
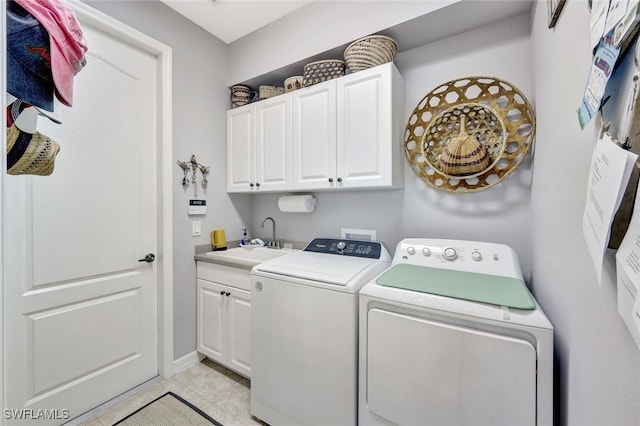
471	256
368	249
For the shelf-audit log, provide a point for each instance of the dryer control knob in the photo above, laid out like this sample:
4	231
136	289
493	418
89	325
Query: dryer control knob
450	253
411	250
476	255
426	252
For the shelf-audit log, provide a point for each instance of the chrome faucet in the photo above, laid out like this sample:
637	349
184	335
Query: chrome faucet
273	241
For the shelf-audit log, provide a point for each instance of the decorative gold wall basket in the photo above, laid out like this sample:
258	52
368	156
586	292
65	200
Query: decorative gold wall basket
469	134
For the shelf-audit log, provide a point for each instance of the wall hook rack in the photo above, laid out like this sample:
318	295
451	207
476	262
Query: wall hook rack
193	166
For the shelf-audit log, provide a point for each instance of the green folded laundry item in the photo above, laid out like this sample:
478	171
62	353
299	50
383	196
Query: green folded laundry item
493	289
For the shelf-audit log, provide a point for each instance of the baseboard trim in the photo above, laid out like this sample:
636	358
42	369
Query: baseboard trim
187	361
112	402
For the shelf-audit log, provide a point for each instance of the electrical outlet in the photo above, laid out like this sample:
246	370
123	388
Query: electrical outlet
196	228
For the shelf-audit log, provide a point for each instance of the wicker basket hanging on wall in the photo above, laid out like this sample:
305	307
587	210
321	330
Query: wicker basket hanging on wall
469	134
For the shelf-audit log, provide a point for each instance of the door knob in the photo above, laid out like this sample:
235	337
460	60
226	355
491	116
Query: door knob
150	257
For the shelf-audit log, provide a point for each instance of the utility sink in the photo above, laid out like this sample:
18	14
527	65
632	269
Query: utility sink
248	257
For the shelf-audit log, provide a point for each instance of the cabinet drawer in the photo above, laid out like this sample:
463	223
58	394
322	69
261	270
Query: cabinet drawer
224	274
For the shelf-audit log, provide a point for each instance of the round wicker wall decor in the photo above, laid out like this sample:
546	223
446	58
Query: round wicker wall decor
469	134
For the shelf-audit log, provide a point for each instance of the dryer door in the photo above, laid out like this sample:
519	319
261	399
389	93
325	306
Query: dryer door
426	372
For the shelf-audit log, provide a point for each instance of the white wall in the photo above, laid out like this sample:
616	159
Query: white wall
597	363
200	101
499	214
312	30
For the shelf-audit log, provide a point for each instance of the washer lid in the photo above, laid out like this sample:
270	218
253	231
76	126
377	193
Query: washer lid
497	290
327	268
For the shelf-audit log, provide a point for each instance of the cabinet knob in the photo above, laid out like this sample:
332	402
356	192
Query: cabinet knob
222	293
339	179
330	179
227	294
258	184
251	184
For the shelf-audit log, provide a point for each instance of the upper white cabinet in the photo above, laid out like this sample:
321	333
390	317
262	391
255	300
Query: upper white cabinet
344	133
241	148
259	146
314	136
369	128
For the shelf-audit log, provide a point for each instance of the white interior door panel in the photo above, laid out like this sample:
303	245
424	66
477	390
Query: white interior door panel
80	308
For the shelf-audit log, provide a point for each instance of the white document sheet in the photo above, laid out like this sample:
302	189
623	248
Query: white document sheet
628	274
617	11
599	11
635	315
611	167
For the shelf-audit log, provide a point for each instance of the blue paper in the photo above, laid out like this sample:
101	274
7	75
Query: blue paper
601	68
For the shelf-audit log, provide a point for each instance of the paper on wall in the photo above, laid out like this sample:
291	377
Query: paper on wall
635	314
628	274
628	254
599	9
599	74
629	21
617	11
610	170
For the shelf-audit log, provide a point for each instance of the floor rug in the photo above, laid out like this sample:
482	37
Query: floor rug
168	410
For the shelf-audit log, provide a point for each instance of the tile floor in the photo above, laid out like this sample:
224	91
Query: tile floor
219	392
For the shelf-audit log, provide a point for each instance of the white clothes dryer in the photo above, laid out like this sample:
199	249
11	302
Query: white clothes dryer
304	332
450	335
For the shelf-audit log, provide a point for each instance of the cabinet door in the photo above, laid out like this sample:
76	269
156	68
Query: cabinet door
364	128
239	331
240	149
314	136
273	144
212	320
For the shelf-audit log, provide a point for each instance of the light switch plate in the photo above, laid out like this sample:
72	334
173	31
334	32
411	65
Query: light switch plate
196	228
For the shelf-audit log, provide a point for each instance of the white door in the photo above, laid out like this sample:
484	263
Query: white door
80	309
273	144
314	136
240	149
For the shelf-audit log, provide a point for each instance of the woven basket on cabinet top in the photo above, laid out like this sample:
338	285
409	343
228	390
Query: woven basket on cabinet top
319	71
293	83
370	51
266	92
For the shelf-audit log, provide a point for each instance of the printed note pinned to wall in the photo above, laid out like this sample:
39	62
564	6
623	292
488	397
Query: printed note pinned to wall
628	276
599	74
611	167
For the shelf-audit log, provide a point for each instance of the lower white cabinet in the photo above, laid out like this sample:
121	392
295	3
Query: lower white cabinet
224	315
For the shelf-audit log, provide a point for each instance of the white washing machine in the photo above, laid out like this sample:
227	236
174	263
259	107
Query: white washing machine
450	335
304	332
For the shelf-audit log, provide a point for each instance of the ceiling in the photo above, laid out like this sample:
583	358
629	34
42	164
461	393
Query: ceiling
230	20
